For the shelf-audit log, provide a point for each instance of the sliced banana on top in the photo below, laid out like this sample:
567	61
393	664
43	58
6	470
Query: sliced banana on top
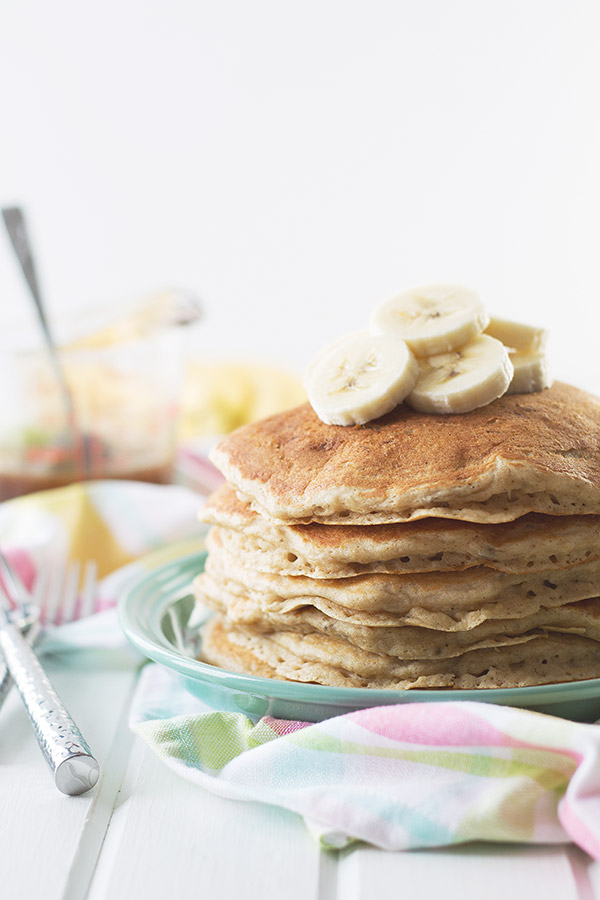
526	347
359	378
433	319
463	379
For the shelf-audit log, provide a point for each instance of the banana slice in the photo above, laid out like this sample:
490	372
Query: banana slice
359	378
526	347
433	319
464	379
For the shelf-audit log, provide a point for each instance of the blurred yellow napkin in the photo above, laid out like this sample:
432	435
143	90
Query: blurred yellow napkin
219	397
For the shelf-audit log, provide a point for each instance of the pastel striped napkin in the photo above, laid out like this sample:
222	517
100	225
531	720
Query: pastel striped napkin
399	777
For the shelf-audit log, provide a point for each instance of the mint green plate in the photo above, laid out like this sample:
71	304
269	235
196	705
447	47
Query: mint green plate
154	613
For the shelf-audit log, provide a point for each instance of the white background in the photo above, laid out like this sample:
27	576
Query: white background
296	162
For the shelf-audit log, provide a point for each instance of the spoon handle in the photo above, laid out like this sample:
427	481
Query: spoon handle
17	231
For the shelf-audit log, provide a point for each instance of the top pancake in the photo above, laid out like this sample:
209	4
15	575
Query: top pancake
523	453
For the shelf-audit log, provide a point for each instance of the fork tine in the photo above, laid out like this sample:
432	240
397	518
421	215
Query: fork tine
40	587
50	601
87	604
66	610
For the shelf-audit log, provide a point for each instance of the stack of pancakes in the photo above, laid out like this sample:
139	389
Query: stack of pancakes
416	551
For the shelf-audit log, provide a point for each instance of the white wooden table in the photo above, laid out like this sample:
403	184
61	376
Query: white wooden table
145	833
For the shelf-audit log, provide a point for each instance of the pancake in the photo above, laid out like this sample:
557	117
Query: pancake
536	542
522	453
319	659
215	594
409	641
449	593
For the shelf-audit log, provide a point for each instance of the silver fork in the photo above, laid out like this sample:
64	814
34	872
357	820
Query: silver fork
65	591
56	599
25	616
64	748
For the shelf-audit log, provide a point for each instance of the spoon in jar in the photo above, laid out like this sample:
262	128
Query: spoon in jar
17	231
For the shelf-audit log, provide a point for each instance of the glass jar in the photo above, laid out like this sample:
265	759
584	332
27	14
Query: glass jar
124	375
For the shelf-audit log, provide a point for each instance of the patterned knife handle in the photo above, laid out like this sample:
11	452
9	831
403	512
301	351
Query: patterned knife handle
65	750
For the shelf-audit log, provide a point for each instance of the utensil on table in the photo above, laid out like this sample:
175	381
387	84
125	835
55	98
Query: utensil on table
17	231
56	600
74	767
25	617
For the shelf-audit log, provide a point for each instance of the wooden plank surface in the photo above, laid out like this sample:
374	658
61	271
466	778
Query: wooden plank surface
169	837
40	828
469	872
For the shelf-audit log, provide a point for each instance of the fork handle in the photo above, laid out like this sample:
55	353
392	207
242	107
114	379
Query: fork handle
30	634
65	750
